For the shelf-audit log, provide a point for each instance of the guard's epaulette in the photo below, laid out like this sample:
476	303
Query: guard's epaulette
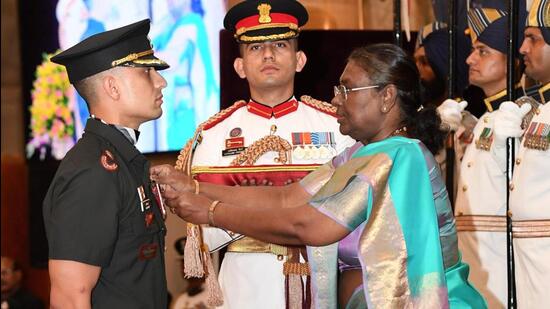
184	156
221	115
319	105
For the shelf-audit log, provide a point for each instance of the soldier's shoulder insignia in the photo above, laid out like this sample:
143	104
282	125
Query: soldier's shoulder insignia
221	115
185	155
108	161
319	105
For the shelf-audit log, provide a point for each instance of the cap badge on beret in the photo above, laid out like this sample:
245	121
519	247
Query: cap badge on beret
264	9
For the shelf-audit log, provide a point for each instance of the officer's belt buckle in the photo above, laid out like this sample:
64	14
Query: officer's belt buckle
250	245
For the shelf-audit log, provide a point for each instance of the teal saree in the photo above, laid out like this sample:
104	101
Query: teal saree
388	184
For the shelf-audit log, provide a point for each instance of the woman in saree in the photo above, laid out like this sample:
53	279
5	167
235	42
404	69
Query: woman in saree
380	209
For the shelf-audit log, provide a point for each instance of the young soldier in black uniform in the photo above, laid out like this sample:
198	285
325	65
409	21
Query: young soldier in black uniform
104	225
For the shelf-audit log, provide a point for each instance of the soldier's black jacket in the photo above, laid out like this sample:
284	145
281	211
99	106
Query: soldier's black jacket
94	215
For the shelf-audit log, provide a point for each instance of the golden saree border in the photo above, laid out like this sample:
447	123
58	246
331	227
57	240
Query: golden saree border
347	187
355	166
315	180
384	252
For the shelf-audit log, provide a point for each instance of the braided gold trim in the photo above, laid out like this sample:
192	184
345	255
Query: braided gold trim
252	169
183	157
301	269
322	105
291	26
272	37
262	146
131	57
221	114
150	61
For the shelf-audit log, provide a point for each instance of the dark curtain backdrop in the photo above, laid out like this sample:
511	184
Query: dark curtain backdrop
38	35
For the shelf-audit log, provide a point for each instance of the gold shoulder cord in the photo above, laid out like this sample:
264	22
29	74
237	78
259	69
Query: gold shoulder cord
321	105
185	157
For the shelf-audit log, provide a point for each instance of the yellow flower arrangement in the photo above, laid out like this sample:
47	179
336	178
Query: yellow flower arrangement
52	124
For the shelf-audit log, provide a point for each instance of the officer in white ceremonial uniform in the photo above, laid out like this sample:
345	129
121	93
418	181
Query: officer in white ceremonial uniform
271	139
530	186
481	194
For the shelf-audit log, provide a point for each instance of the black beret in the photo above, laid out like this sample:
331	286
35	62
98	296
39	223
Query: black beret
265	20
125	46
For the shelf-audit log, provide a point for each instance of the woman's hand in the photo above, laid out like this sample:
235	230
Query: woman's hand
190	207
171	180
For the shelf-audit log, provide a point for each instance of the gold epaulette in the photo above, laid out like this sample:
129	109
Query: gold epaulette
221	115
185	152
322	106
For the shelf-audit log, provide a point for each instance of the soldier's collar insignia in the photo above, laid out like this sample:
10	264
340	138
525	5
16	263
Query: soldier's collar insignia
277	111
544	92
493	102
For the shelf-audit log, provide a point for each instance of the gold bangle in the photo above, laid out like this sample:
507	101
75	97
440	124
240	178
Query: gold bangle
211	213
197	186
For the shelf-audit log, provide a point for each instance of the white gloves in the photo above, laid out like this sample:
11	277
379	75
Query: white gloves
507	121
450	112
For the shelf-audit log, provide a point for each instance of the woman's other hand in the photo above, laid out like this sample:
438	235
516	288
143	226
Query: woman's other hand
171	180
190	207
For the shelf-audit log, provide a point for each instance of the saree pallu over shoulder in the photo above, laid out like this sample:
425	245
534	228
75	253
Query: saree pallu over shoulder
387	185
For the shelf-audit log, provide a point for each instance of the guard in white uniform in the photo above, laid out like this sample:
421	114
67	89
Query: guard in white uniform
530	187
272	139
481	194
431	57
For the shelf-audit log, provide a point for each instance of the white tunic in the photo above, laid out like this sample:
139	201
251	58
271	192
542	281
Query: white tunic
530	200
256	280
479	210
